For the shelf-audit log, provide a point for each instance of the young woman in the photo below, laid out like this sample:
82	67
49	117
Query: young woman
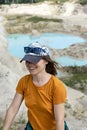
43	92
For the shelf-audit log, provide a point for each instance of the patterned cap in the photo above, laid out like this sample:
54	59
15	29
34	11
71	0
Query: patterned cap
34	52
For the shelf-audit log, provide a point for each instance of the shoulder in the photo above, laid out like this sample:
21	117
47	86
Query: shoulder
56	80
58	84
24	81
22	84
25	78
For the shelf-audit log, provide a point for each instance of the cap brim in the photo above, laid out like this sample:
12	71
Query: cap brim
31	58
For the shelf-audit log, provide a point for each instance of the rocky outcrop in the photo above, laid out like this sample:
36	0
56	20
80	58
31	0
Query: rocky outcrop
73	15
78	51
10	72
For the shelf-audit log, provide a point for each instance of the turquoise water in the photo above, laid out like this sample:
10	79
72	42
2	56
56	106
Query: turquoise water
53	40
68	61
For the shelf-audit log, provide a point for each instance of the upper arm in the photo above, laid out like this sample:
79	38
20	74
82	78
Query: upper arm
59	112
17	101
59	116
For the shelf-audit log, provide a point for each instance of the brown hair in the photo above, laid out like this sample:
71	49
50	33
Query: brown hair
52	66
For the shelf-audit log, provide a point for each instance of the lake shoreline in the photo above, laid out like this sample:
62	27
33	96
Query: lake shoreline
72	24
68	50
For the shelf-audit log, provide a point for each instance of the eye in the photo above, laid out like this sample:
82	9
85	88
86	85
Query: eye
27	62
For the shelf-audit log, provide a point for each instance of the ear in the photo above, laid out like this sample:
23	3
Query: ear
46	62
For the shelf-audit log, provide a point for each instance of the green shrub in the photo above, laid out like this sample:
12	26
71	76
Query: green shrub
0	127
83	2
76	78
36	19
57	1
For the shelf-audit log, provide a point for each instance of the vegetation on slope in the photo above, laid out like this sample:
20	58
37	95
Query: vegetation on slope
24	23
83	2
78	79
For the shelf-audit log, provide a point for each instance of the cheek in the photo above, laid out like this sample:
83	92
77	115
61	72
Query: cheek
43	62
41	65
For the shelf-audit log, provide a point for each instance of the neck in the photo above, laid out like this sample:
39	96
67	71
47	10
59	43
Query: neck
41	79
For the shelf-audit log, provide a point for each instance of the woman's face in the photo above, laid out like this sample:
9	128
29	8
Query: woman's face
37	68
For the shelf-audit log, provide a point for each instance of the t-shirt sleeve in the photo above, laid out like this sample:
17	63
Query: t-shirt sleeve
20	86
59	95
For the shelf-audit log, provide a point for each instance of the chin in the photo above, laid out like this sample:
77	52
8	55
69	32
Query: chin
33	73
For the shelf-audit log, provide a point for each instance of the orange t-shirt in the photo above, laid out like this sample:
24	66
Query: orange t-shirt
40	101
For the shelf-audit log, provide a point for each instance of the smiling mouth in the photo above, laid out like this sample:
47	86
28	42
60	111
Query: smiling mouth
32	68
